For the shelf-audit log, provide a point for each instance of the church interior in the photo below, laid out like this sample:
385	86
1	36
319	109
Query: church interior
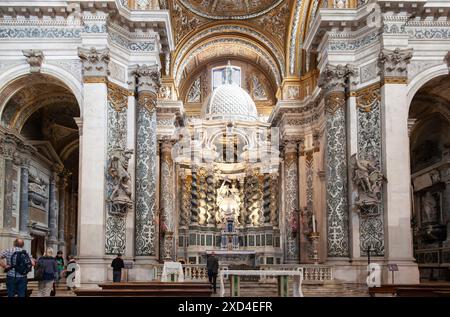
307	136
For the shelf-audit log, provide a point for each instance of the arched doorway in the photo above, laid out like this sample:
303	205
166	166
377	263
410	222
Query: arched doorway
429	123
39	115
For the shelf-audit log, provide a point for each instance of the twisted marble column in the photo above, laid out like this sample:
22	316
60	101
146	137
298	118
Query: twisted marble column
185	199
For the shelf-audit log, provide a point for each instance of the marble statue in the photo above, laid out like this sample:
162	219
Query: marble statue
368	180
228	201
429	207
120	197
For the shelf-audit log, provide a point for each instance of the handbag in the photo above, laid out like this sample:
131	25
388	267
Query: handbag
39	272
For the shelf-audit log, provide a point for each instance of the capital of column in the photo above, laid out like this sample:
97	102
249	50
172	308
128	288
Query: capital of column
316	140
335	78
63	177
8	147
25	162
148	78
148	82
290	150
95	64
394	65
25	151
166	148
56	171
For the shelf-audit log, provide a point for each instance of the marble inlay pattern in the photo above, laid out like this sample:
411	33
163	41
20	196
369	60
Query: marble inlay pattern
115	235
145	181
39	32
371	228
337	209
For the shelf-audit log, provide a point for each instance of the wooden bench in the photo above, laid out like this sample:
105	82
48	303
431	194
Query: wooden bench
148	289
154	285
143	293
422	292
392	288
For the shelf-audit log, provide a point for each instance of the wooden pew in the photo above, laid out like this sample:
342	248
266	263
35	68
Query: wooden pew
148	289
155	285
142	293
422	292
392	288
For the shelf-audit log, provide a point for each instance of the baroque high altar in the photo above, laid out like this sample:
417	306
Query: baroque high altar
275	133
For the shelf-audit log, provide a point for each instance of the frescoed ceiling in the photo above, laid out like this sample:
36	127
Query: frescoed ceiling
230	9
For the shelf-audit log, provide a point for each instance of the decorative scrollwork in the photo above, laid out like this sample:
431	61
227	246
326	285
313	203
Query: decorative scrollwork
118	96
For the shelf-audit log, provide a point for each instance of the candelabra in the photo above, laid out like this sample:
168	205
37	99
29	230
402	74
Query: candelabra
314	237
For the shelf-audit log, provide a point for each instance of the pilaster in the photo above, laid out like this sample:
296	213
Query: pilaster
93	150
396	168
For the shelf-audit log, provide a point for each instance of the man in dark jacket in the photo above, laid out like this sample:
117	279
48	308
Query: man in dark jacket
212	264
117	265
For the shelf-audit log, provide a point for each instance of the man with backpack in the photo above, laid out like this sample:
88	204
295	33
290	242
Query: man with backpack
18	264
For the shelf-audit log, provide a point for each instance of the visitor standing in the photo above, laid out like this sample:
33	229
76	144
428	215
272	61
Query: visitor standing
73	274
117	265
18	264
48	268
59	265
212	264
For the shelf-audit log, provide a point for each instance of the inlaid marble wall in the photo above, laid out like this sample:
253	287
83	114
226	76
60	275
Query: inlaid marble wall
371	227
115	240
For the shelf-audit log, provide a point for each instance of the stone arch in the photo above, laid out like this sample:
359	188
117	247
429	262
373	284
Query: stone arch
25	85
239	132
9	77
249	39
423	78
429	123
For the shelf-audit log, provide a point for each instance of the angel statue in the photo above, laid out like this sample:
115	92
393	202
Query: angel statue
368	180
120	196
